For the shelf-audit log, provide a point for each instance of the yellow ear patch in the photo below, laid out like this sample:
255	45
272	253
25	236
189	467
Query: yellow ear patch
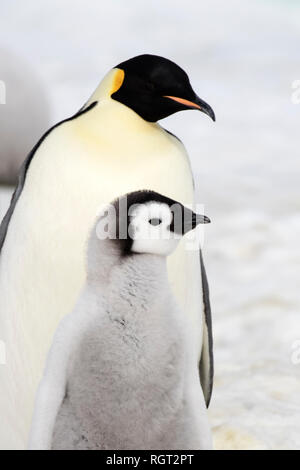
118	80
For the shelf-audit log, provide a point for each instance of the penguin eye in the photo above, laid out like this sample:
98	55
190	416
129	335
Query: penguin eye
155	221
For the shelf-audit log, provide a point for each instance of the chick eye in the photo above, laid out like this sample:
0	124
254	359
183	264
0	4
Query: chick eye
155	222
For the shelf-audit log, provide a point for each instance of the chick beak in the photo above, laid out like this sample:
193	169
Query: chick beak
192	220
197	103
199	219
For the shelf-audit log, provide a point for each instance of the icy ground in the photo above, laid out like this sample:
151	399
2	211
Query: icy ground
242	58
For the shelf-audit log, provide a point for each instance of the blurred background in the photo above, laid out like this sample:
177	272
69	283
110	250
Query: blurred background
243	58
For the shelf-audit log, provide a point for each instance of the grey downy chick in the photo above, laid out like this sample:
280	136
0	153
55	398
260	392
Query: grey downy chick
119	374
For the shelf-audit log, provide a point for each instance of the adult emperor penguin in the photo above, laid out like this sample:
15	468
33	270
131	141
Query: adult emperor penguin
112	146
126	342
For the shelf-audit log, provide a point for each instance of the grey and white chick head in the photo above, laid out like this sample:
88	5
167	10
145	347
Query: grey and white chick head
146	222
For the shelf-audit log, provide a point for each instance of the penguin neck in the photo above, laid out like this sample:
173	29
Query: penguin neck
110	114
108	85
137	284
108	270
101	259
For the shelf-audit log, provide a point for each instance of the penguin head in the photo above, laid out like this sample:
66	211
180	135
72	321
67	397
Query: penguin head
148	222
155	87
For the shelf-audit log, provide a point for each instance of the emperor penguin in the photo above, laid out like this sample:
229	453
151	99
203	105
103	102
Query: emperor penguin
120	373
112	146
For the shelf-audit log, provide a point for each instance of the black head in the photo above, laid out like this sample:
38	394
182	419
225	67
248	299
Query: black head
155	87
143	210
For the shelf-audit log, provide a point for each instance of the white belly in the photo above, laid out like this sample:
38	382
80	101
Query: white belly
42	264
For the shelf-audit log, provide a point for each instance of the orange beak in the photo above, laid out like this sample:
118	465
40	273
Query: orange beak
188	103
198	104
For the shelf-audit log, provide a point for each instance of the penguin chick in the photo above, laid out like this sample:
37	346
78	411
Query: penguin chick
120	374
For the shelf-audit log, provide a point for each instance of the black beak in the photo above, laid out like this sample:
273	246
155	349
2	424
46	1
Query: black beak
185	220
205	108
191	222
199	219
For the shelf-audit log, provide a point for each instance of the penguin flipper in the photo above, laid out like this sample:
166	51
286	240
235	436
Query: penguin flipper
21	181
206	365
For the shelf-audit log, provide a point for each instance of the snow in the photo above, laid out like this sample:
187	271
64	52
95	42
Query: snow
242	59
